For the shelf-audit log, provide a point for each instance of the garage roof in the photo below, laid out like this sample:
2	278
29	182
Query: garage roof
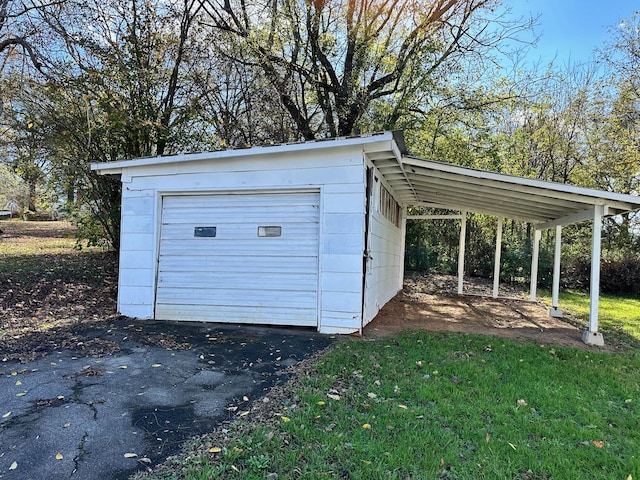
443	185
417	181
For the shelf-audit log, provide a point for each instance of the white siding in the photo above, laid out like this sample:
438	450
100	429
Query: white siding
338	174
136	285
385	266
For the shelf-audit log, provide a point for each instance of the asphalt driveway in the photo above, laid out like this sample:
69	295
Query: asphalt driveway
124	396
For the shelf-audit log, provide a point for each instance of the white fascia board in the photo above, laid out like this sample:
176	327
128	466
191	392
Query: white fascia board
628	202
109	168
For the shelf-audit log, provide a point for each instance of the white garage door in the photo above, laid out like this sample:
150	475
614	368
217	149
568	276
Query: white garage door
245	258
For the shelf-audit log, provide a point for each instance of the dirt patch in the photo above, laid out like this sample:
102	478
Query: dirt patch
429	302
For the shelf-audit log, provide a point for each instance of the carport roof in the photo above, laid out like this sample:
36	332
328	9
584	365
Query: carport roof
417	181
437	184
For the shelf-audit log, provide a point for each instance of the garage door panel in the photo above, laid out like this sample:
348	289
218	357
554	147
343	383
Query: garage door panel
236	276
238	280
230	297
250	264
241	231
296	247
245	314
286	199
239	218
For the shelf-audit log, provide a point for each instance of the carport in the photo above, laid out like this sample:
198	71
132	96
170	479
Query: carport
545	205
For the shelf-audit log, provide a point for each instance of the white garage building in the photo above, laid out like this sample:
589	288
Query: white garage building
308	234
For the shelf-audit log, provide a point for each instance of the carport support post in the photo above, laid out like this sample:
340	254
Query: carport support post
592	336
461	249
496	267
537	234
554	311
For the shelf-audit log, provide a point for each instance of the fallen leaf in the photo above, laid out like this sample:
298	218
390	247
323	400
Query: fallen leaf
130	455
18	382
145	460
123	366
598	444
522	403
487	437
67	425
512	446
60	397
21	394
441	462
53	364
419	364
245	398
244	414
13	466
320	403
333	396
268	436
13	374
6	415
372	395
366	426
285	419
377	383
156	365
237	450
629	477
404	407
59	456
234	468
366	462
215	450
628	400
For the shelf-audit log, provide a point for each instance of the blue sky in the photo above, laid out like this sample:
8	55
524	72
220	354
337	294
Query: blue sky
570	30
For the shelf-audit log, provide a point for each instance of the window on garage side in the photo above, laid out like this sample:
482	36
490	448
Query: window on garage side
388	207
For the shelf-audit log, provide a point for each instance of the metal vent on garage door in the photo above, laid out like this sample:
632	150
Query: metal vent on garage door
225	272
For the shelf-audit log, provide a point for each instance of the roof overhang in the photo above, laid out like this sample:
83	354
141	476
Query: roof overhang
547	204
383	141
416	181
422	182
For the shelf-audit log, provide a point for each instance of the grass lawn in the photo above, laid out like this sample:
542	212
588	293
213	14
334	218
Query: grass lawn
426	405
618	316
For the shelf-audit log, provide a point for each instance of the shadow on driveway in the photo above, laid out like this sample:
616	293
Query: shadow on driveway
72	414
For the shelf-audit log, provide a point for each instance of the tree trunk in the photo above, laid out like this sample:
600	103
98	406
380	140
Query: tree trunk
32	196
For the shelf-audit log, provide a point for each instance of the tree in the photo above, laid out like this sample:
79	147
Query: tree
328	60
118	90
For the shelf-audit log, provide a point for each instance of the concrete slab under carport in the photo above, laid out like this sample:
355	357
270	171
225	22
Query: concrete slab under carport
166	383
